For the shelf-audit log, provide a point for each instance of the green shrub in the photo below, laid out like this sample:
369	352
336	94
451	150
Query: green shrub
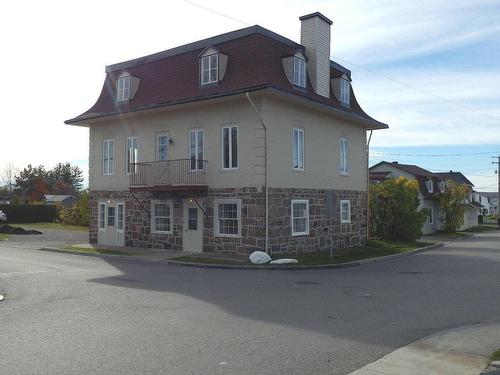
78	214
29	213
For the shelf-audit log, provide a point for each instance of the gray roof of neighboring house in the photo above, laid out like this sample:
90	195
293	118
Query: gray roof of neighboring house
57	198
458	177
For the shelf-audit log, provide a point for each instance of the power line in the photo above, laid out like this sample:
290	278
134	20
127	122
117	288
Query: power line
216	12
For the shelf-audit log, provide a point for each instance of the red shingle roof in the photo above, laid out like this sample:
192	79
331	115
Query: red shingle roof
172	77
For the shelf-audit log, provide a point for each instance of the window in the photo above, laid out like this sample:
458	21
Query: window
345	211
162	147
107	157
344	156
210	69
298	148
192	218
102	216
119	216
123	88
299	72
230	147
111	216
161	217
300	217
196	149
345	91
442	186
131	155
227	217
429	185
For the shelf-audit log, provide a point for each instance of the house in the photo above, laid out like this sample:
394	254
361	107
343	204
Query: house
489	201
59	200
430	186
243	141
472	206
6	197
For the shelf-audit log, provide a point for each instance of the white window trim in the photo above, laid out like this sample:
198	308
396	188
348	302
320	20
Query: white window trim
346	221
111	161
300	201
216	69
345	91
216	217
344	171
120	204
120	93
127	170
303	149
100	213
197	144
296	68
430	186
157	146
230	147
153	217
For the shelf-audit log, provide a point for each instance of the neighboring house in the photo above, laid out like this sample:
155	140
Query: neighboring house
490	201
59	200
430	186
243	141
472	206
6	197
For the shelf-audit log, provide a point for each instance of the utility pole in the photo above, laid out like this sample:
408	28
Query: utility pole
498	175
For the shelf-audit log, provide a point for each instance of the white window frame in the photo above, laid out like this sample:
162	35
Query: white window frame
218	202
231	167
342	202
298	148
442	186
430	185
128	159
344	156
299	71
118	221
153	216
345	91
197	165
102	216
108	167
123	88
300	201
158	137
205	65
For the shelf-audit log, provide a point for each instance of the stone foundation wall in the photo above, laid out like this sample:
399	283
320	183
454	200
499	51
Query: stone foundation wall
324	220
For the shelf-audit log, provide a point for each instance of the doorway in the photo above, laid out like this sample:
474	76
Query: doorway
193	227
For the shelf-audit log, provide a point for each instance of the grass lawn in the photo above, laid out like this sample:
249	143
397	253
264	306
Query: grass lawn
481	228
3	236
495	356
91	250
374	248
50	226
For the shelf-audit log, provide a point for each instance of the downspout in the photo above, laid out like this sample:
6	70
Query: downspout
368	186
265	171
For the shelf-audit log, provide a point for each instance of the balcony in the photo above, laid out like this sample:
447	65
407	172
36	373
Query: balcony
169	175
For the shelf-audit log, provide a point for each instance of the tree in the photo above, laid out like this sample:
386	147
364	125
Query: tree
78	214
8	177
28	177
72	176
452	203
394	213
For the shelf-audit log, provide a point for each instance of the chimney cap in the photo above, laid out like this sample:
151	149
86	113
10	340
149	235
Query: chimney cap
316	14
395	162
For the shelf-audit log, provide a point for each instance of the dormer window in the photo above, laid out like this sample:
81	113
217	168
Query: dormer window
345	92
209	69
442	186
299	72
123	88
429	185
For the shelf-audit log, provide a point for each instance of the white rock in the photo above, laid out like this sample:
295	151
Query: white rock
259	257
284	261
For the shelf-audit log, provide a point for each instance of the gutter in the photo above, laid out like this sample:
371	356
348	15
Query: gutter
265	171
368	186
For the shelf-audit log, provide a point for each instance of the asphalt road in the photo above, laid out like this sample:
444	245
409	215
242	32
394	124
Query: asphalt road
71	314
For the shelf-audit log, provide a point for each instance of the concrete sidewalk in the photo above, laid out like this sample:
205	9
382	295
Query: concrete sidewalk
459	351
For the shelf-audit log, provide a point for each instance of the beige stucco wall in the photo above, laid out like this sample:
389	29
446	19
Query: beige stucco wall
323	132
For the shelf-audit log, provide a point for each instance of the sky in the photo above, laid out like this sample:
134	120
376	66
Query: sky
429	69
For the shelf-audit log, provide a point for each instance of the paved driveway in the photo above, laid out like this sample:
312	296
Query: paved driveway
84	315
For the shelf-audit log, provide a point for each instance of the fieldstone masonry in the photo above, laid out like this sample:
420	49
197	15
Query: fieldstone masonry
325	227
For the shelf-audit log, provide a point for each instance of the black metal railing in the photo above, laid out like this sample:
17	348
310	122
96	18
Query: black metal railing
180	172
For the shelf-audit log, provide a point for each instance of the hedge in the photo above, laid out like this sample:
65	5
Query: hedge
29	213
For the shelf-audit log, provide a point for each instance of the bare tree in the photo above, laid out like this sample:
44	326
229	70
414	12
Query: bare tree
8	176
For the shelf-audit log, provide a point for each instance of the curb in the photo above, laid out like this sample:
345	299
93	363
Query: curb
249	267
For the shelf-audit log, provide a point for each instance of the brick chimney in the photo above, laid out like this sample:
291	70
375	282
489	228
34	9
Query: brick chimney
315	37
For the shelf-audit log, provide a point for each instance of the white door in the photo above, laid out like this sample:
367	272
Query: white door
111	223
193	227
